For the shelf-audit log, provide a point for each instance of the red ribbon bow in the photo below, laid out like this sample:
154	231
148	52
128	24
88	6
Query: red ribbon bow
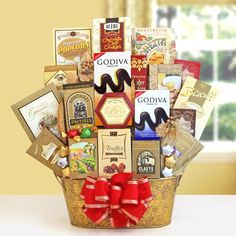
122	199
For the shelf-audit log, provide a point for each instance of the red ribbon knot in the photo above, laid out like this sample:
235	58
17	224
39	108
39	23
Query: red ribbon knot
122	199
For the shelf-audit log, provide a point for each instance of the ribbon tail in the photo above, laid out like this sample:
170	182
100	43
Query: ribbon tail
118	219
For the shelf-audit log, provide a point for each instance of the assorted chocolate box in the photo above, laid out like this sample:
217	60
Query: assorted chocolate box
118	110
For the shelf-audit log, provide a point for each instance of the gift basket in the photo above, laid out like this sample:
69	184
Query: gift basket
117	122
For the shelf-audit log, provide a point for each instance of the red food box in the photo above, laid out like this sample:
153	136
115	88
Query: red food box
139	71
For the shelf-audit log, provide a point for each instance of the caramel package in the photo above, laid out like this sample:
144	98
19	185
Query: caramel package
198	95
182	149
167	77
60	74
114	151
78	103
158	44
146	159
111	34
46	149
83	158
139	71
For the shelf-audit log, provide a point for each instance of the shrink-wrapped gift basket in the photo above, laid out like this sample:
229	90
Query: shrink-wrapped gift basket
118	121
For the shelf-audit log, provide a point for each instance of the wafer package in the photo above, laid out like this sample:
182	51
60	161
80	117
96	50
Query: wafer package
158	44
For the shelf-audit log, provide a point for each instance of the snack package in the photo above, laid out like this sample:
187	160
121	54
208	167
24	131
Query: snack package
39	110
189	68
158	44
114	151
186	119
83	158
139	71
177	152
78	103
111	34
60	74
166	77
46	149
151	109
72	46
146	159
112	74
202	97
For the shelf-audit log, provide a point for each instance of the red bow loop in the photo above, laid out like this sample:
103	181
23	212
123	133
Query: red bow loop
124	200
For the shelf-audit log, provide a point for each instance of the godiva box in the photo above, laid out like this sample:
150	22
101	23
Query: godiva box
202	97
83	158
60	74
146	159
114	151
45	149
78	102
112	74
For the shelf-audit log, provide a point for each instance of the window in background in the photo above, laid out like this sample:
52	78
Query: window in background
207	34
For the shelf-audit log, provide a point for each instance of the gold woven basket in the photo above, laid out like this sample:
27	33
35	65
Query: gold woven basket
158	214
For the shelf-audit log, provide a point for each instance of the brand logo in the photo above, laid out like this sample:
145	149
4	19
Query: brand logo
111	26
151	100
145	163
112	62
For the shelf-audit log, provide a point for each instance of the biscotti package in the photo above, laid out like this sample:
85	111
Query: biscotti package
46	149
189	68
181	149
152	107
112	34
112	73
146	159
139	71
186	118
72	46
158	44
39	110
60	74
114	151
78	103
166	77
83	158
202	97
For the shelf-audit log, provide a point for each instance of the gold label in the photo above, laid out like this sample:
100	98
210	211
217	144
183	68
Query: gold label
72	47
115	110
113	147
48	150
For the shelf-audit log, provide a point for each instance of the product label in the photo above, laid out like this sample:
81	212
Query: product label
146	163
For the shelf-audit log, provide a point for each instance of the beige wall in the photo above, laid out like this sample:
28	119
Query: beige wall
26	46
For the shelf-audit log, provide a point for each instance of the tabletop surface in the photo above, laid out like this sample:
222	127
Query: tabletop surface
47	215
